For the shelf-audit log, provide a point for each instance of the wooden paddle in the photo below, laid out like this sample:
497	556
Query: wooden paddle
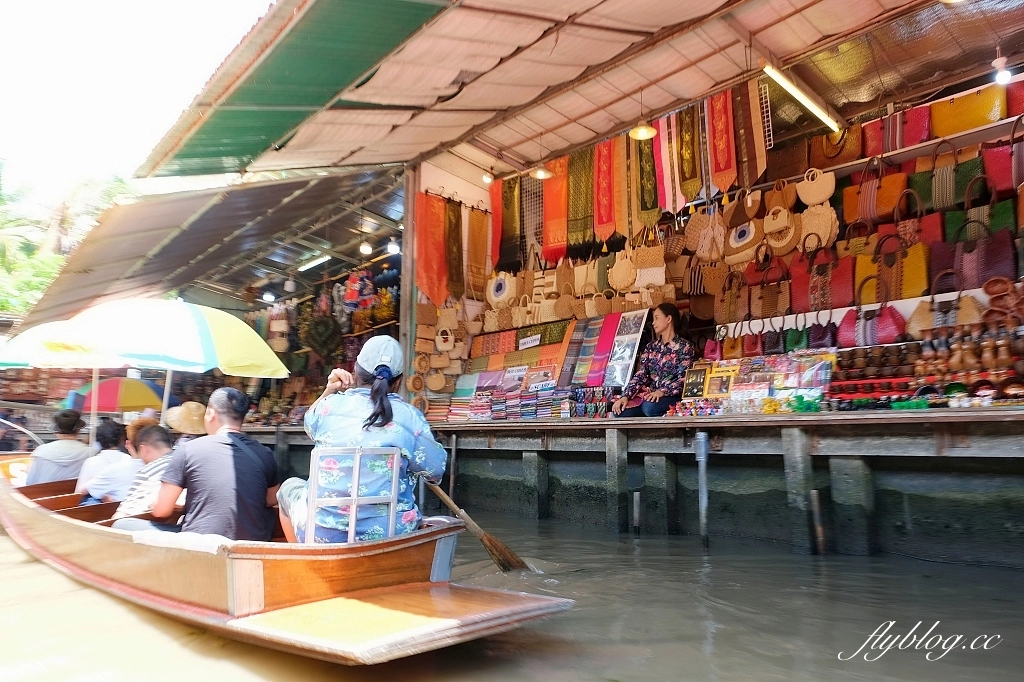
501	555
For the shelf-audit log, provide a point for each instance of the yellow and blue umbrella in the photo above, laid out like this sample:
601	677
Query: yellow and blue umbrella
57	345
178	336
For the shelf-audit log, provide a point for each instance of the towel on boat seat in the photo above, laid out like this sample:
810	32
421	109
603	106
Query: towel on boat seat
198	542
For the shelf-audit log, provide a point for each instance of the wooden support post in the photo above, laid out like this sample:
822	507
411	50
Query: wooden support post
535	482
853	502
701	450
281	454
659	495
615	480
796	458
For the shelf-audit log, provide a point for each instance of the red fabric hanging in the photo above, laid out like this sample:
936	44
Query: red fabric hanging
721	142
431	266
604	190
556	211
495	221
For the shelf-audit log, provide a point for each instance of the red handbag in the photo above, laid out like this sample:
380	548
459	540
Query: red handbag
753	275
910	127
872	135
800	276
1015	98
923	229
997	160
841	283
753	343
712	350
872	327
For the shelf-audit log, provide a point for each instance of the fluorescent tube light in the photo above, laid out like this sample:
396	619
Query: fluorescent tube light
802	97
313	263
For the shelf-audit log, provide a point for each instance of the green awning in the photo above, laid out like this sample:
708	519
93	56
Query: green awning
301	64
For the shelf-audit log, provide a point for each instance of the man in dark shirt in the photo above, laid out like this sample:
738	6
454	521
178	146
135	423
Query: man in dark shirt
232	480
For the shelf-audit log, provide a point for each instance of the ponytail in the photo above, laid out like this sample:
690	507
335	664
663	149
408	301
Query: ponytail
380	385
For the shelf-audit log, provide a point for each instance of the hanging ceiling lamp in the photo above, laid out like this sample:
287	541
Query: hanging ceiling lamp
999	63
643	130
540	171
393	247
365	248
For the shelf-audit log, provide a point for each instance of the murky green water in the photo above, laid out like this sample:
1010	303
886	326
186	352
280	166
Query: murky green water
647	609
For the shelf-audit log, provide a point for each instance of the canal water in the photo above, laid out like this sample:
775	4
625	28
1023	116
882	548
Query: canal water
646	609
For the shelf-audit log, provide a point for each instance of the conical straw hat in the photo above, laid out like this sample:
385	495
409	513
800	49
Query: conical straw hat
188	418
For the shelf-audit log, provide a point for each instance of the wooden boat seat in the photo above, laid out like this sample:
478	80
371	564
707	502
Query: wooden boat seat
57	502
91	513
34	492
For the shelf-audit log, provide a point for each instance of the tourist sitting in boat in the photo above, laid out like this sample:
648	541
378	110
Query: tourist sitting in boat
658	381
370	415
151	447
62	458
111	437
231	479
188	420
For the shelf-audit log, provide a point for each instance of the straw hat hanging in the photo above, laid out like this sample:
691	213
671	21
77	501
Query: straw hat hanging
188	418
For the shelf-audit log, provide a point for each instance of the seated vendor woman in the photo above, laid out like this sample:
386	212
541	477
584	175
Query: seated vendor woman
370	415
658	382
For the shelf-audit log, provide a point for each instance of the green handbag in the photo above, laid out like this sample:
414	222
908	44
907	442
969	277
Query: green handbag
995	215
922	184
950	183
796	337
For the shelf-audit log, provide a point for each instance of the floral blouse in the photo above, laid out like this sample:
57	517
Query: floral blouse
662	367
337	422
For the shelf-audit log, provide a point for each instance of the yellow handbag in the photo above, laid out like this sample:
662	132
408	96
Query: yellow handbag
915	271
968	110
866	272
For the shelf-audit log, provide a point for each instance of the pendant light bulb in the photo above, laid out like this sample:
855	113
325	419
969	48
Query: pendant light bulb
289	284
268	297
365	248
643	130
999	64
393	247
540	172
488	177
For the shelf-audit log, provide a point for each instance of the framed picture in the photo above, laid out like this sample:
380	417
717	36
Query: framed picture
695	381
720	381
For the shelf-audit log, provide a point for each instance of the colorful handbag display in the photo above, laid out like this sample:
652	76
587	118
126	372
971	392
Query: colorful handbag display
796	337
870	327
994	215
968	110
773	341
835	149
857	243
770	298
908	128
993	255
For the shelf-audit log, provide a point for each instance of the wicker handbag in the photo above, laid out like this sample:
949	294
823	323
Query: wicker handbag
784	242
426	313
699	222
649	252
816	187
835	149
742	242
781	195
564	303
712	239
602	303
565	276
520	312
622	274
821	221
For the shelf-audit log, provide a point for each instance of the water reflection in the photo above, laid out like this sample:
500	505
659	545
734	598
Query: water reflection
647	609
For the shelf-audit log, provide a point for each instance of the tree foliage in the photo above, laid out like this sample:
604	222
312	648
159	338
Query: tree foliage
28	278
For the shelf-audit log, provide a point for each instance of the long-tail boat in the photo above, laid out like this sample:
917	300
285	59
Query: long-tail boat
359	603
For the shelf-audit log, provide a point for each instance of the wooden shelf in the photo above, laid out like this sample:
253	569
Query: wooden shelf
374	328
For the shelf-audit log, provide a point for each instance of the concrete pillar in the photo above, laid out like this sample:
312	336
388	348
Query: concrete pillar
659	495
615	480
853	502
796	458
535	483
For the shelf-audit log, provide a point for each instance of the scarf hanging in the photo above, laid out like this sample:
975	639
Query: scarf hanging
661	159
453	248
508	256
604	190
649	212
556	211
632	183
581	203
675	199
721	143
478	254
620	196
603	349
494	245
532	191
751	156
690	178
431	271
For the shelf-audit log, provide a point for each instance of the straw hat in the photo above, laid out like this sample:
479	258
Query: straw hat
188	418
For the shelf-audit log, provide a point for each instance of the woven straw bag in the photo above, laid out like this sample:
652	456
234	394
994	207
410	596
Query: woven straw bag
505	319
821	221
699	222
602	303
491	320
648	251
712	239
782	195
564	303
565	276
816	187
622	274
786	241
521	312
426	313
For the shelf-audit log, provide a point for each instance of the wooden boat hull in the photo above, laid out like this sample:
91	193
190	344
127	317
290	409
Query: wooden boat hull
355	604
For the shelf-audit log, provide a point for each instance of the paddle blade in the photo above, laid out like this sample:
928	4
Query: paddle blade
502	555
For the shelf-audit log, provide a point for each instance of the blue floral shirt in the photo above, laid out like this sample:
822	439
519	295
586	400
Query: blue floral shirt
337	422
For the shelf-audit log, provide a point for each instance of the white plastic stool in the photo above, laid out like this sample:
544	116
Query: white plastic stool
315	502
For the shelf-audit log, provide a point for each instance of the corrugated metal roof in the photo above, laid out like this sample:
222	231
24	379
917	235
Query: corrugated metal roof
293	63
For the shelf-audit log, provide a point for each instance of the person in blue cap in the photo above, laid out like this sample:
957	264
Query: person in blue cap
366	411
